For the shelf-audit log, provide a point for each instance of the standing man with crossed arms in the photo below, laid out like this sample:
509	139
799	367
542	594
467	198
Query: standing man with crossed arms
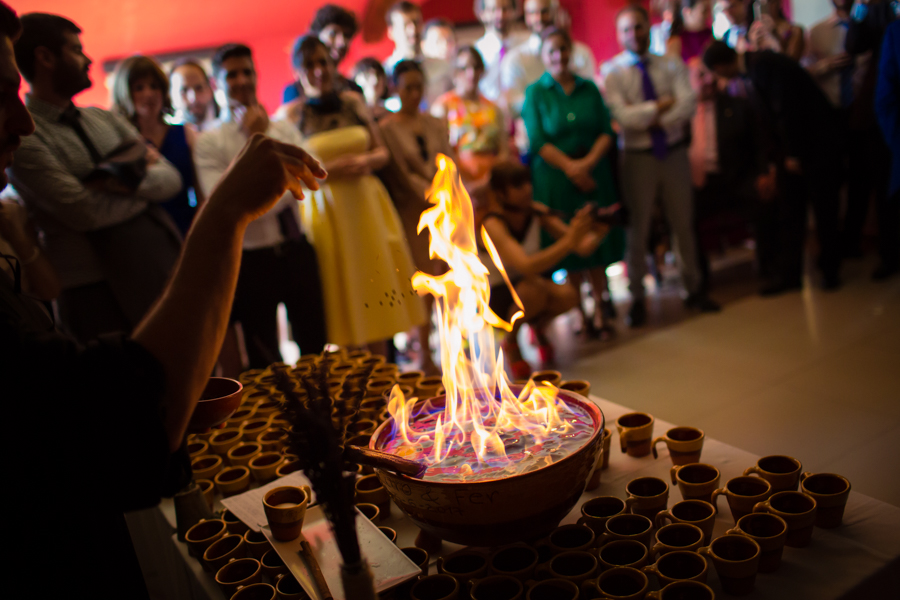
652	100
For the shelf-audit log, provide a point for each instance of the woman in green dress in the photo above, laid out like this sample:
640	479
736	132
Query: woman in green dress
570	135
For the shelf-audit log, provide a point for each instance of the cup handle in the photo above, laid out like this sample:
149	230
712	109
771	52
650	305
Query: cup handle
804	475
661	517
734	531
440	564
754	470
308	491
650	569
654	443
603	539
673	472
654	595
715	498
623	440
543	569
704	551
655	548
763	506
629	503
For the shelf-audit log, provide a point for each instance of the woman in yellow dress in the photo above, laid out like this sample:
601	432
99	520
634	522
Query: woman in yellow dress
364	260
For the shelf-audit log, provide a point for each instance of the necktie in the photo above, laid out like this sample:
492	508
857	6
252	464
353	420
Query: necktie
72	118
657	135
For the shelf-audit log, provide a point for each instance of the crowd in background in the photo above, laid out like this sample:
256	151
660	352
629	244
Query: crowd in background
720	119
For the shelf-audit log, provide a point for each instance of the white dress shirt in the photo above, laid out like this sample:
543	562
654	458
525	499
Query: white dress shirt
624	94
215	149
826	39
522	66
491	47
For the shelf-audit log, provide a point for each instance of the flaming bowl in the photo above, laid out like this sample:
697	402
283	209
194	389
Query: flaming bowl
497	511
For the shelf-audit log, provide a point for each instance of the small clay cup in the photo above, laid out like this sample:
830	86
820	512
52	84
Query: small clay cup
232	480
683	590
251	429
496	587
628	527
635	433
799	512
376	387
272	565
285	509
553	589
435	587
419	556
240	455
782	472
677	536
202	535
288	588
369	490
685	444
607	443
257	544
623	553
389	533
743	493
621	583
271	440
361	427
206	466
736	559
373	361
554	378
234	524
516	560
370	511
208	490
249	376
696	481
255	591
243	413
428	387
237	573
571	537
410	378
680	565
601	463
696	512
264	466
647	496
576	566
597	511
386	372
463	565
288	466
221	441
197	448
767	530
223	550
579	386
830	492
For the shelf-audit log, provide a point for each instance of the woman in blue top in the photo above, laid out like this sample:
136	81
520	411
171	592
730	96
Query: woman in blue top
570	135
140	93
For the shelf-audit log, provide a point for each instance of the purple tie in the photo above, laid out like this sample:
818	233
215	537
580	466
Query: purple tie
657	134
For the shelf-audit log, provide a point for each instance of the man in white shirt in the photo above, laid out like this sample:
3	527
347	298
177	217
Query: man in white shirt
522	66
498	18
652	100
404	28
278	263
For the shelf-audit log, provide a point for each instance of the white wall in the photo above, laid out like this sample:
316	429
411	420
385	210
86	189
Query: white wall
807	12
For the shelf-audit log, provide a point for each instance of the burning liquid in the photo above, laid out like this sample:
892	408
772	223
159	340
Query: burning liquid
523	451
474	435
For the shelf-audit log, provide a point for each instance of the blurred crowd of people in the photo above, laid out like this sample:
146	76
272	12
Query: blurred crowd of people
715	118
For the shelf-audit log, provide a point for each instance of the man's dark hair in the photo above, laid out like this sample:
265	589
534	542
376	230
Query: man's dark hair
303	47
229	51
41	29
551	32
406	66
438	22
509	174
404	6
718	53
10	26
635	8
332	14
369	64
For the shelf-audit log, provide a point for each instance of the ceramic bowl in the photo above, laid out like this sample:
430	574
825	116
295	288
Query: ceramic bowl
219	400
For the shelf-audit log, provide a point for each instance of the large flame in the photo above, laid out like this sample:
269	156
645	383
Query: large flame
479	407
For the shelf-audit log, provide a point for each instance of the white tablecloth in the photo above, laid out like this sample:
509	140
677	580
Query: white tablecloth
859	559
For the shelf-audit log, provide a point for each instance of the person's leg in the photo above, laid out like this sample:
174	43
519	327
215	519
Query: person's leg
600	286
678	200
577	279
639	185
791	229
888	210
534	302
302	295
255	305
825	195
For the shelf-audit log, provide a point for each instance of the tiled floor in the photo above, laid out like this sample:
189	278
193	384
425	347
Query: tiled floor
813	375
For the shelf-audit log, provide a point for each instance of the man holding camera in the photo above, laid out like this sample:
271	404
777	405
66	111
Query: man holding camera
91	185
